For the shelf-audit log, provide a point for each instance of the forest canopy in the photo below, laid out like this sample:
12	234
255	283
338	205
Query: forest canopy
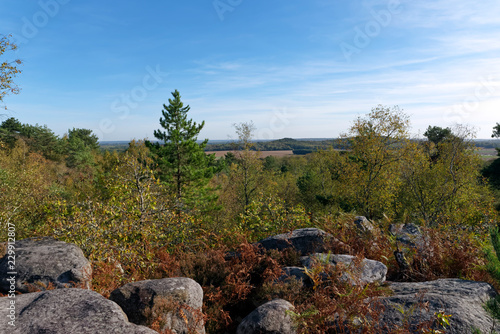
383	173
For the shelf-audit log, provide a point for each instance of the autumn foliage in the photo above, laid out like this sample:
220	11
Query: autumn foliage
124	212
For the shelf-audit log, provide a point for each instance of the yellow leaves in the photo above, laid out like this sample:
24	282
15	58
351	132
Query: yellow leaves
442	319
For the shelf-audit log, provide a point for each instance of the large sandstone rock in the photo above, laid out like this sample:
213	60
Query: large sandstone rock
270	318
176	302
40	262
367	271
462	299
65	311
304	240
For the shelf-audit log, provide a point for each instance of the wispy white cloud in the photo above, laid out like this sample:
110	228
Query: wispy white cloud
328	95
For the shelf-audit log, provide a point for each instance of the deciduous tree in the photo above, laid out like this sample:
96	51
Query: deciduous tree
443	187
377	144
246	174
134	186
8	69
323	185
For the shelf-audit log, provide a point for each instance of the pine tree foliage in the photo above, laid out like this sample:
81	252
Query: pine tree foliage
496	131
81	146
183	164
496	134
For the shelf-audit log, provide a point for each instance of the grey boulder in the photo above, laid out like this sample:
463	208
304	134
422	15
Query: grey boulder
65	311
270	318
175	302
40	262
364	272
464	300
304	241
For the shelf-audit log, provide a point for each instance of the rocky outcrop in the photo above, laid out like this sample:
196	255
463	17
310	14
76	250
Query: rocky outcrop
65	311
270	318
462	299
364	272
43	262
304	240
174	302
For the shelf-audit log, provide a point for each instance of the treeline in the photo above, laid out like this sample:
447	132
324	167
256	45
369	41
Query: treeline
492	143
309	146
76	148
283	145
298	146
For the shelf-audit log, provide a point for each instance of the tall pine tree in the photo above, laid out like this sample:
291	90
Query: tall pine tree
183	164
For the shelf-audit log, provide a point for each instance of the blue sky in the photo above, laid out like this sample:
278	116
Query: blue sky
301	69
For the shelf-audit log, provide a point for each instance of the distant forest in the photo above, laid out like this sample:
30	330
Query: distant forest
298	146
